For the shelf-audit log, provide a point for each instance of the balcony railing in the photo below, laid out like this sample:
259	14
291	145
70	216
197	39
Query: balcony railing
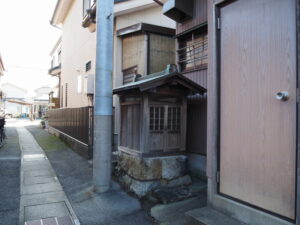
193	51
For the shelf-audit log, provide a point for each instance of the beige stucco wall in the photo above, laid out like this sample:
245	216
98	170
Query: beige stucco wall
78	47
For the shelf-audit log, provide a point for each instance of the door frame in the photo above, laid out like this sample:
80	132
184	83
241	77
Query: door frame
236	208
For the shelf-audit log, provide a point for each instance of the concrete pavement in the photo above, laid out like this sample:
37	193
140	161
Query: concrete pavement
74	172
43	200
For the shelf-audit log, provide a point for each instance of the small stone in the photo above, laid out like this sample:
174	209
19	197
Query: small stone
140	169
140	188
174	167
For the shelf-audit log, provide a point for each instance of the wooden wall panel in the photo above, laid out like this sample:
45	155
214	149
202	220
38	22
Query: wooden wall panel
200	17
197	115
133	54
162	52
130	126
196	124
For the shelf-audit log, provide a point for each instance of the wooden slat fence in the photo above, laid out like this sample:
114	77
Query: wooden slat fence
75	122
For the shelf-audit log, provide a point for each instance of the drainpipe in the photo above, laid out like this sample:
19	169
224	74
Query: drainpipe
103	97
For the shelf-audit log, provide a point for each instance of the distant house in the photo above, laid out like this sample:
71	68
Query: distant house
14	91
41	102
16	102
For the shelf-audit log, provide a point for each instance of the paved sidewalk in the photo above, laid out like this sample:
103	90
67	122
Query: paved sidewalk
43	200
115	207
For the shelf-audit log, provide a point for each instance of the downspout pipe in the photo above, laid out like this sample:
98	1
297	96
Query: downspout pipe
103	97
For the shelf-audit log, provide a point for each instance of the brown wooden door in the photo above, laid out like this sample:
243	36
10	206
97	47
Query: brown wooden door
257	131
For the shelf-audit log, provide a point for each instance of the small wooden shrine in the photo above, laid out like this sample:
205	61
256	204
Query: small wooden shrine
154	113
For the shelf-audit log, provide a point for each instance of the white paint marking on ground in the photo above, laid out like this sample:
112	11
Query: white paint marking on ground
56	221
33	156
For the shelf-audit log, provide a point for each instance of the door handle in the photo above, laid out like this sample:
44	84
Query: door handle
282	96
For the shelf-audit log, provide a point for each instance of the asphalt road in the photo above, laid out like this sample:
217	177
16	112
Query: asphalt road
10	179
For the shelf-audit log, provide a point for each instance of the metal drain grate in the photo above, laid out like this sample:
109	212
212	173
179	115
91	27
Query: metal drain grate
66	220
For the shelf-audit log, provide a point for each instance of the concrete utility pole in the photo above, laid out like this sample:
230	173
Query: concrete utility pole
103	97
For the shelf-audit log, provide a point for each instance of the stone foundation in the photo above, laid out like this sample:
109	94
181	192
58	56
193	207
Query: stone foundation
143	175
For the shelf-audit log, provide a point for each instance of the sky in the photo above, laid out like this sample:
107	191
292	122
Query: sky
26	39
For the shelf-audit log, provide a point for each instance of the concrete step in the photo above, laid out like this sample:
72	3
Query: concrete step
173	213
209	216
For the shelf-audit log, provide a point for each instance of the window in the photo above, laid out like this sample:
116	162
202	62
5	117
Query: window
87	4
53	62
129	74
66	95
88	66
174	119
157	114
79	84
192	52
157	119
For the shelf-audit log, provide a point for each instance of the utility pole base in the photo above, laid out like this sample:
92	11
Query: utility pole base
102	153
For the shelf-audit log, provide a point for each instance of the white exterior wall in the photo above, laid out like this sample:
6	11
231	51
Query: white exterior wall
78	47
54	54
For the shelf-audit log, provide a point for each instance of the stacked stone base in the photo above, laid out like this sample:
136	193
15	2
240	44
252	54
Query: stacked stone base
143	175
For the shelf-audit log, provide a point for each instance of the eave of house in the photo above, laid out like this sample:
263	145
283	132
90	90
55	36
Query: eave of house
19	102
61	10
160	2
132	6
145	27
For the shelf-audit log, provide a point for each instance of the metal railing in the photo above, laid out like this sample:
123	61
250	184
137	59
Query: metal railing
193	55
75	122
